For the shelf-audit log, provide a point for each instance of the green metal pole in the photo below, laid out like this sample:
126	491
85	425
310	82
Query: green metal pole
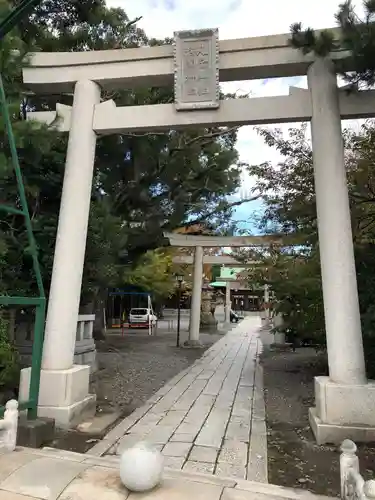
15	15
41	307
7	25
21	189
36	363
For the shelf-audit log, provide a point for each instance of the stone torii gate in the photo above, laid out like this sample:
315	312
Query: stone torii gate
197	63
222	260
199	243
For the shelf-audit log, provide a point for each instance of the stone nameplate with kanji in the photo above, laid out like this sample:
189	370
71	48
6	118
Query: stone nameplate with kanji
196	60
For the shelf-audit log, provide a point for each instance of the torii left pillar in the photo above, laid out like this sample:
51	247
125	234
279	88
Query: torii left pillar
64	387
267	304
228	303
196	299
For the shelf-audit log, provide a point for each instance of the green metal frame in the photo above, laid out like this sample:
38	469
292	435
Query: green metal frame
15	15
7	25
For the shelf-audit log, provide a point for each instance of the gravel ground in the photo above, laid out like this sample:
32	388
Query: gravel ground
294	459
133	367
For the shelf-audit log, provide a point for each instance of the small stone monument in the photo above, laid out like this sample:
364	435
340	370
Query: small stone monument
141	467
9	426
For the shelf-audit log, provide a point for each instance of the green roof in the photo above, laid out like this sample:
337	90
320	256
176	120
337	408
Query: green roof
218	283
230	272
227	273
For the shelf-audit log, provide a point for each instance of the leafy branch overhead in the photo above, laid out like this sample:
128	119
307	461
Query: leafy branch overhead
355	35
144	184
290	207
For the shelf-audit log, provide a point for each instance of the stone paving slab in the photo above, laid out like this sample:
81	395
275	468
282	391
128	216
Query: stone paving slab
31	478
49	474
203	419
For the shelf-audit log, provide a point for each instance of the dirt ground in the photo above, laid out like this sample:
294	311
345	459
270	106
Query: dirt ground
294	459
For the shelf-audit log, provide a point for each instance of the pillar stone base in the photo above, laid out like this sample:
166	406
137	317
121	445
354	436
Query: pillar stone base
265	321
63	394
208	322
193	344
343	412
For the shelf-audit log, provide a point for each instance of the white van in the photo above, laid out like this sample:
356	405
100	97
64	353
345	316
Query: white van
142	316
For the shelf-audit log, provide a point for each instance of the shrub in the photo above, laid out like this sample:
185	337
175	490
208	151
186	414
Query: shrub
368	329
9	361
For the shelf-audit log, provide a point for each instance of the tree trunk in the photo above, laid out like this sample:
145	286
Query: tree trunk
99	324
12	325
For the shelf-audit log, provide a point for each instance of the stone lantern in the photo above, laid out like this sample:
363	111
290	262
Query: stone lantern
208	321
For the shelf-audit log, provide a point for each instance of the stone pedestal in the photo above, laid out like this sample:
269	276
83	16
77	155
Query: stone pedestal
266	323
208	322
63	394
84	350
343	412
35	433
279	338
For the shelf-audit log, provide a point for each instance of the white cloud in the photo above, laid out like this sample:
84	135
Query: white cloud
237	19
234	18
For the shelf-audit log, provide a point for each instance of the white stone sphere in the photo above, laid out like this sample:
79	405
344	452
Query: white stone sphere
141	467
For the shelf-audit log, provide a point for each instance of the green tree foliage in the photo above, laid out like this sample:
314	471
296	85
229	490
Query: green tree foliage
154	272
67	25
288	193
355	35
9	360
144	184
41	157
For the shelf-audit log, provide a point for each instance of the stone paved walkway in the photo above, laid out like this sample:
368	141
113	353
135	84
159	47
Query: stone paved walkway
210	418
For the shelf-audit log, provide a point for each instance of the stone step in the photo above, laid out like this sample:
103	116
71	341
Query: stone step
262	491
92	477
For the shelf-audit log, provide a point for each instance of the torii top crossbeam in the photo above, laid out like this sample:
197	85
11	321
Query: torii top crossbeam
240	59
184	240
221	260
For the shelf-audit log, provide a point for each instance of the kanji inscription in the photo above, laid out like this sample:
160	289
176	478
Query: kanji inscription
196	69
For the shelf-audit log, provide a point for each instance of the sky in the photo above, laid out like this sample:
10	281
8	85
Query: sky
238	19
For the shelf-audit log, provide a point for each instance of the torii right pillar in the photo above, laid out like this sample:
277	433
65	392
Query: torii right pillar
345	401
